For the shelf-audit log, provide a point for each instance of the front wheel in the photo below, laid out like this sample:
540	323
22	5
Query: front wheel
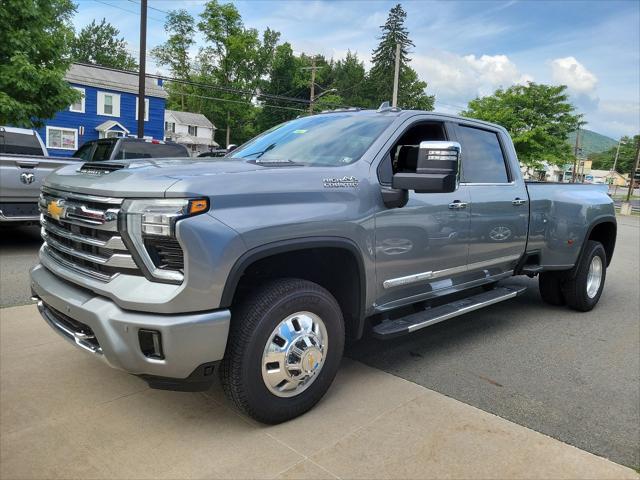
284	350
583	291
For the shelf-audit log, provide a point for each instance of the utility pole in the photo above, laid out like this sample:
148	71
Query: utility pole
396	77
632	176
575	157
142	72
615	160
312	96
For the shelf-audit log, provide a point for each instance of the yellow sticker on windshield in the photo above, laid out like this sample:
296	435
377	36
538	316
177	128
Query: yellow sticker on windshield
299	131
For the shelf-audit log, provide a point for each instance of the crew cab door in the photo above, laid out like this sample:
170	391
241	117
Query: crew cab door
426	239
499	200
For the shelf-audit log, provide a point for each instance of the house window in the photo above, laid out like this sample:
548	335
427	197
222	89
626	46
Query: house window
79	105
193	130
146	109
109	104
170	127
62	138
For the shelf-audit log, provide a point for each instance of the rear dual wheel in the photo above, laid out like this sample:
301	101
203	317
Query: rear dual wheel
284	350
581	292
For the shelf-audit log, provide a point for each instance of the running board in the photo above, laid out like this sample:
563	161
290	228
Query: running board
401	326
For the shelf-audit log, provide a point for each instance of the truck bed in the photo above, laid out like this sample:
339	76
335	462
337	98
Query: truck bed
560	216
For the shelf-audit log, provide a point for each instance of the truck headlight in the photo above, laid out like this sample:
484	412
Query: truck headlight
149	228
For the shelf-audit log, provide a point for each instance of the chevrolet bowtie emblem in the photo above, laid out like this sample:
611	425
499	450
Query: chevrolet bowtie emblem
56	209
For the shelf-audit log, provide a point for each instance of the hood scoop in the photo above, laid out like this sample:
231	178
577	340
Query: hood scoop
100	168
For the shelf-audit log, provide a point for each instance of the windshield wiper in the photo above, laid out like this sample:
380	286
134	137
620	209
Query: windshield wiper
278	162
260	153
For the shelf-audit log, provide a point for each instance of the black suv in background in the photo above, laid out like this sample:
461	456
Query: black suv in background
124	148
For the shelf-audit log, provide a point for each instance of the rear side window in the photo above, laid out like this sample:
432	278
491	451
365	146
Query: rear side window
20	143
103	151
150	150
84	152
482	157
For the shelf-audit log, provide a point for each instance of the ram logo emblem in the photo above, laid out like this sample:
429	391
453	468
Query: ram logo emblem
27	178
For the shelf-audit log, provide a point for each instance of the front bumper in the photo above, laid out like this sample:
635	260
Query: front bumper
189	341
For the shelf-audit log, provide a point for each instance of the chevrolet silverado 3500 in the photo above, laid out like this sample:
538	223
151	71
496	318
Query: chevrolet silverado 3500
261	264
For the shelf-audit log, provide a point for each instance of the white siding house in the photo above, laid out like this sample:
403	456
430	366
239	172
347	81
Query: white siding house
193	130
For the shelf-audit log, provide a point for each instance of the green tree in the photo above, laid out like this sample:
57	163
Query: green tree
34	57
411	90
626	157
236	58
99	44
285	78
349	77
538	117
174	53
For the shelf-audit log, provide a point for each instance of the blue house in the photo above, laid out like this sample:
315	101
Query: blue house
108	108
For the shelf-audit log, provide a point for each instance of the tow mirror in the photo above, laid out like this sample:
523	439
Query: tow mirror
436	164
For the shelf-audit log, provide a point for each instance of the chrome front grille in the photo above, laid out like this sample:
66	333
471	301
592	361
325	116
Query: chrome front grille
81	233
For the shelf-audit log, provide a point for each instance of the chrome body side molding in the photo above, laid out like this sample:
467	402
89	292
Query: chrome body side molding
419	277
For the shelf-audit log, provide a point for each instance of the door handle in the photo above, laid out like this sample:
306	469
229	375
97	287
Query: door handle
518	201
457	205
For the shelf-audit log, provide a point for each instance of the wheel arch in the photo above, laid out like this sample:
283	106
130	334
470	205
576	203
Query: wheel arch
603	229
346	281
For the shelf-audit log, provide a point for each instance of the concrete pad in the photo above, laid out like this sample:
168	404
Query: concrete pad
434	436
64	414
365	392
50	378
306	470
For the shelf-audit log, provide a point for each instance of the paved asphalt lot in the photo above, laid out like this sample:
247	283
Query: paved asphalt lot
573	376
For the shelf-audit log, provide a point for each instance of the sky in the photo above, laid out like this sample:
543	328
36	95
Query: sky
462	49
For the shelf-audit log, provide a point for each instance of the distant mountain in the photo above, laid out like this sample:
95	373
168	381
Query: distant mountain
592	142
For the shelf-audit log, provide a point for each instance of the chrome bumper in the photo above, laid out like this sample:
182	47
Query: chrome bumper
26	218
188	340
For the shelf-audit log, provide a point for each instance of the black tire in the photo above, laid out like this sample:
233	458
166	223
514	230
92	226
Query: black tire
575	290
550	286
252	324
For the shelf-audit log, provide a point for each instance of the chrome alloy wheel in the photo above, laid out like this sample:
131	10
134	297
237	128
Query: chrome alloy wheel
294	354
594	277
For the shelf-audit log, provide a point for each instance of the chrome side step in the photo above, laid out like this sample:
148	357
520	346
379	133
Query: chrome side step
401	326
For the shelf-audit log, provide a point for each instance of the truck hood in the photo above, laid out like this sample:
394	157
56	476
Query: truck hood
141	178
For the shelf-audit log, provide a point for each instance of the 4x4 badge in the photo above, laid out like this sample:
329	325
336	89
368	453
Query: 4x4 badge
344	182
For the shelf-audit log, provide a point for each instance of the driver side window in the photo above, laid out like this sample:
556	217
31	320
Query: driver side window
399	157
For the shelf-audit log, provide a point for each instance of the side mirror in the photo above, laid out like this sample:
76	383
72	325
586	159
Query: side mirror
437	166
231	147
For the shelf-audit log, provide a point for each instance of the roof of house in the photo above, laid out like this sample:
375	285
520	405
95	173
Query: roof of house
109	124
93	76
188	118
191	140
603	173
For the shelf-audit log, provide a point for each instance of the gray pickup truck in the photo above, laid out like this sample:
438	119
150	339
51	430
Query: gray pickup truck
261	264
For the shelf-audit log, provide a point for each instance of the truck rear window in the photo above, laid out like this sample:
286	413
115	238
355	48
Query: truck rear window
149	150
20	143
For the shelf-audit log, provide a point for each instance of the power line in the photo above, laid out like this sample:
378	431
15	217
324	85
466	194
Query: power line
115	85
150	7
127	10
206	85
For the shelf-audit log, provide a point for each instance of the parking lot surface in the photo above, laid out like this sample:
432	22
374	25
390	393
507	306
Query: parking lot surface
65	414
572	376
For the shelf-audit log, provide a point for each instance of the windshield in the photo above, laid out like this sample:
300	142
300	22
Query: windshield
330	140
